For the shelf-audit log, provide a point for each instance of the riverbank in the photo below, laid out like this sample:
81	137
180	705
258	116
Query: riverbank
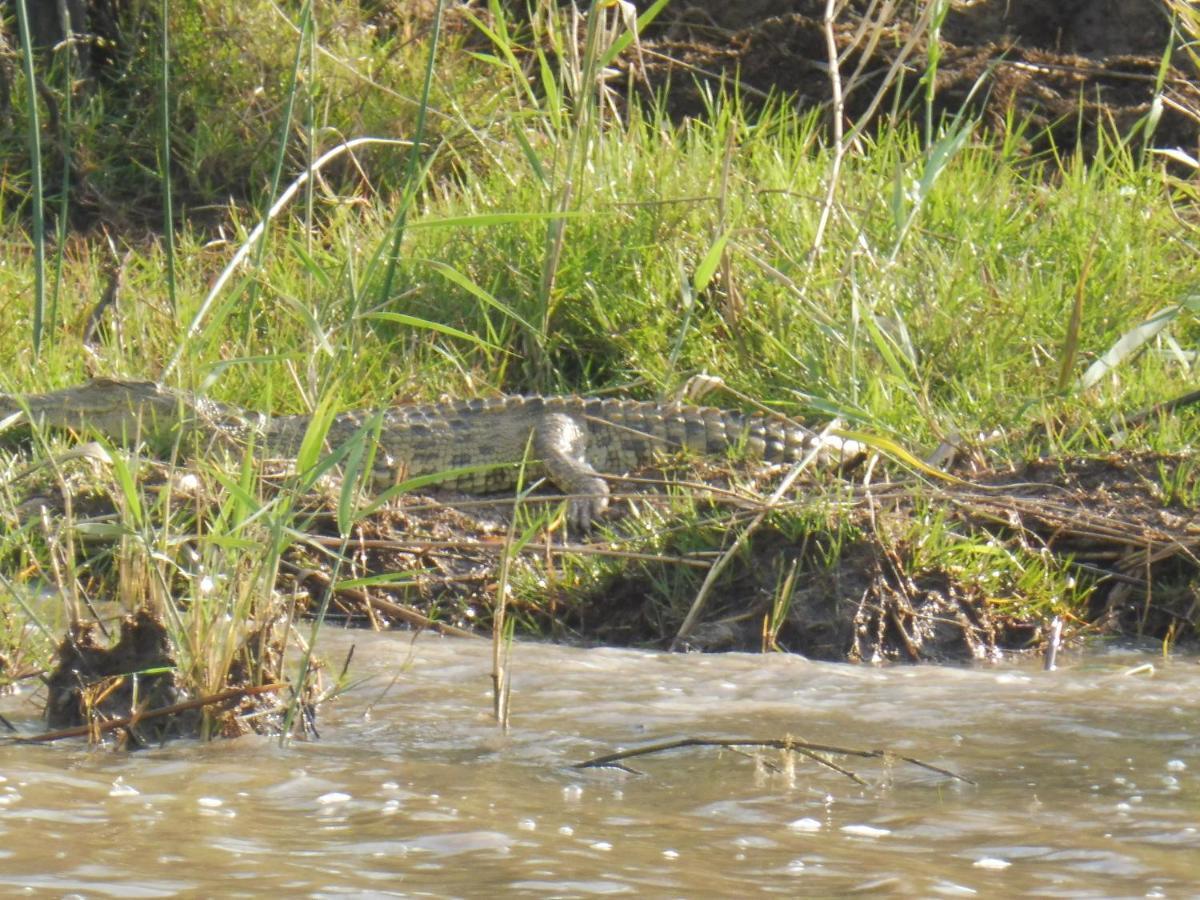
950	288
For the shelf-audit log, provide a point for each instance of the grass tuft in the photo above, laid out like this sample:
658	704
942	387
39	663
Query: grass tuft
485	209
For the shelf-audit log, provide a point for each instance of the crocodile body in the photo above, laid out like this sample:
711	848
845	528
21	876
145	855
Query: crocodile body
571	440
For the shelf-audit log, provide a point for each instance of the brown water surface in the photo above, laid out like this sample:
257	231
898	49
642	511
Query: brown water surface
1088	780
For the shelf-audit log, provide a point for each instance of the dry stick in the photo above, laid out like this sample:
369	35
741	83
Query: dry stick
839	146
710	579
137	717
497	546
1171	103
1149	594
1071	343
1052	644
1068	519
1131	535
1098	70
790	744
400	611
501	673
110	299
874	31
1154	545
252	239
1158	409
918	28
830	764
719	77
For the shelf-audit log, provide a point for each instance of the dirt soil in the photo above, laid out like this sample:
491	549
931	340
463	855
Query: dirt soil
1069	70
92	681
847	579
129	687
858	588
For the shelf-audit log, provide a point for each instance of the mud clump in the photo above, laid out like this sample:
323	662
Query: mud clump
1070	72
93	683
872	604
132	689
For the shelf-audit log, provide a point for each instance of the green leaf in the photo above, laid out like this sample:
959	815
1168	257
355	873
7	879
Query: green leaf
418	322
1131	341
708	266
367	581
618	46
128	485
312	445
453	275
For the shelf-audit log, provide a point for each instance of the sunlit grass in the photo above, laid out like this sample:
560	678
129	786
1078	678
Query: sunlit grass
509	224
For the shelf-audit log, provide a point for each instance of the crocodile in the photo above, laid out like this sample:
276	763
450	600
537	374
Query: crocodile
482	445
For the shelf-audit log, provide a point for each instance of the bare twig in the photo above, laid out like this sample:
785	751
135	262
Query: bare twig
616	760
112	295
369	601
710	579
138	717
490	547
1159	409
838	111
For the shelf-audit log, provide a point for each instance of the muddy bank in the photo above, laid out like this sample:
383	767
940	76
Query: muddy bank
843	573
847	571
130	687
1069	71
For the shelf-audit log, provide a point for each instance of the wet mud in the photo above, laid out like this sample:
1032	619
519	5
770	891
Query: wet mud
847	580
1070	73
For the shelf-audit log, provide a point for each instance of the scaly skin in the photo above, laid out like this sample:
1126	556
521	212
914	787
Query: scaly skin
571	440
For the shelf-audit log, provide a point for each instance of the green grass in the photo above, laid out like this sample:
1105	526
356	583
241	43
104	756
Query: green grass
535	241
983	287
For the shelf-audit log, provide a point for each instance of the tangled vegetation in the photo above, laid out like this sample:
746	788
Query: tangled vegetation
307	208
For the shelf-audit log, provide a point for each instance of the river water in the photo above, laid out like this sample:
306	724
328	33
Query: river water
1087	784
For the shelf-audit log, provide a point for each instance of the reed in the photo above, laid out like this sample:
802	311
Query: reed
369	211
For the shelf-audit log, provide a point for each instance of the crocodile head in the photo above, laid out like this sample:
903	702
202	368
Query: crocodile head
120	409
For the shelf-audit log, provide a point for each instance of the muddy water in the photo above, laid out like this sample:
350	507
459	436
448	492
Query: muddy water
1088	785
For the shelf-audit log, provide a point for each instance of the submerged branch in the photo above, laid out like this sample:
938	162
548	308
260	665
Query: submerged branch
616	760
138	717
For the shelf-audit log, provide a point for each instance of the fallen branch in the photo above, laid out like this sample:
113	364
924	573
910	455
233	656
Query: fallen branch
138	717
365	599
616	760
494	546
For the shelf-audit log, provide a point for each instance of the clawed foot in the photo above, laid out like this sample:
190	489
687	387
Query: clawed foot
582	512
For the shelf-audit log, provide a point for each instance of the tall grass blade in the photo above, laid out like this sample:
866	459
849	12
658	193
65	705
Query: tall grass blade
452	274
708	265
937	161
252	239
165	156
1071	343
1133	339
285	129
33	130
67	137
313	442
414	159
933	57
429	325
499	35
127	482
356	472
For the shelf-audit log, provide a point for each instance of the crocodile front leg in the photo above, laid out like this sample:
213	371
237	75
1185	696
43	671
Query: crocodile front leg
560	442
